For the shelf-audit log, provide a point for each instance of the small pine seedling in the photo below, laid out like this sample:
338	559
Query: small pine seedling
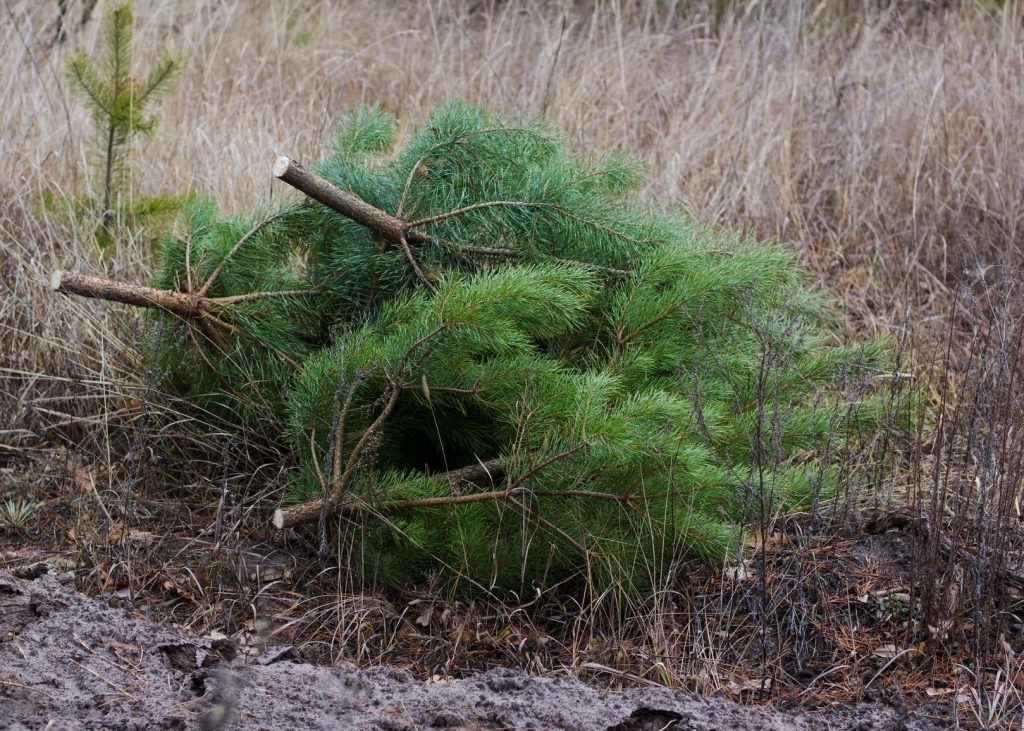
118	102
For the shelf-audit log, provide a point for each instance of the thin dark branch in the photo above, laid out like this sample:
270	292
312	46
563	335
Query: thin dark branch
234	249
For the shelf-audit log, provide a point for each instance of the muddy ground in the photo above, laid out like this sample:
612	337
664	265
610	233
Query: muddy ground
71	662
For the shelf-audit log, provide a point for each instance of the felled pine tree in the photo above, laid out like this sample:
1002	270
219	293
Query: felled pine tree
493	364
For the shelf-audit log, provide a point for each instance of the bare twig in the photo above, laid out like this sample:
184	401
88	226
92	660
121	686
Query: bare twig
415	266
311	510
234	249
250	296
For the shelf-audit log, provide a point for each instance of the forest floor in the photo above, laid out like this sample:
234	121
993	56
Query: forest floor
70	662
181	631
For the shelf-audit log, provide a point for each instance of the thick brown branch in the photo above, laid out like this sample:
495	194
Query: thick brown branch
84	285
179	303
351	206
309	511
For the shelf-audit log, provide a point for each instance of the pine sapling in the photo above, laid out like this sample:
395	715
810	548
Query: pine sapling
117	101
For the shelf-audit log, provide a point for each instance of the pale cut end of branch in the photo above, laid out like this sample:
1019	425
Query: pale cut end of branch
281	166
278	519
55	280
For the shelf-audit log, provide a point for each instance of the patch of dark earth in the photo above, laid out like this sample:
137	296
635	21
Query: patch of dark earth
71	662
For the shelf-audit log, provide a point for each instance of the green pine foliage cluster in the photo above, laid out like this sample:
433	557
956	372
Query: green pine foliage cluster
637	385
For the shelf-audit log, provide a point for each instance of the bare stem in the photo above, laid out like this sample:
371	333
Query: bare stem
84	285
234	249
351	206
309	511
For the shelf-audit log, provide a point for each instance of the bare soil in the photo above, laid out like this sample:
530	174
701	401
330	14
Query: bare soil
71	662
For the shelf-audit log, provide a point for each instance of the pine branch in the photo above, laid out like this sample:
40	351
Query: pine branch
158	81
614	393
307	512
553	459
402	233
416	166
351	206
118	31
86	78
475	207
437	218
83	285
250	296
500	253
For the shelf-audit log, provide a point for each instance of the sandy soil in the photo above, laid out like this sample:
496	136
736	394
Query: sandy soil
71	662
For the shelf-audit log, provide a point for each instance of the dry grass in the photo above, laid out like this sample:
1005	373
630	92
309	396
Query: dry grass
885	144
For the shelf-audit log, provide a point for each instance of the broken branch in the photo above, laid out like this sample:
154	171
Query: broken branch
309	511
84	285
351	206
